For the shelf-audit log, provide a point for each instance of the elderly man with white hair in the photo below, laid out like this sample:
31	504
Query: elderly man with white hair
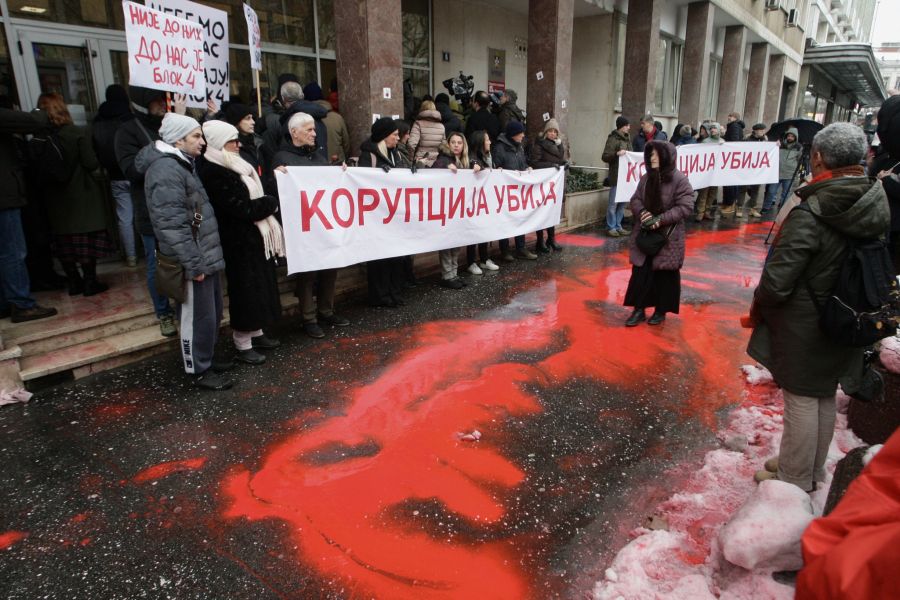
844	204
301	149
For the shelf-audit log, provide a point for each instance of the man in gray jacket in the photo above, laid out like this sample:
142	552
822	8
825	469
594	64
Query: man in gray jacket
186	229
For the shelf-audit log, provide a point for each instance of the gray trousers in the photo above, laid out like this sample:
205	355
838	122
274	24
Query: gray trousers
200	317
808	429
324	300
449	263
754	195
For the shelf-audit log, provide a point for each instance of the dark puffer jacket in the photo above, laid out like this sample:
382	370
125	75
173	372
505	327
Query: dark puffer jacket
789	342
678	202
640	140
110	117
368	149
12	174
734	132
131	137
254	299
173	192
293	156
483	120
614	142
507	154
547	154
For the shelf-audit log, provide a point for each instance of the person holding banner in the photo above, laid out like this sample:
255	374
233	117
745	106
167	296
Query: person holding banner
385	275
509	154
663	200
709	134
617	144
480	154
250	237
300	148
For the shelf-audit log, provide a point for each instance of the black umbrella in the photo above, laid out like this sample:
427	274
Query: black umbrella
807	128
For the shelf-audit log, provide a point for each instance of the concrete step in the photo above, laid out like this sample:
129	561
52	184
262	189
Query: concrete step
114	350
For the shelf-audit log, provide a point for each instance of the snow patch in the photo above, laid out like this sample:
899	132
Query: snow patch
757	375
870	453
890	354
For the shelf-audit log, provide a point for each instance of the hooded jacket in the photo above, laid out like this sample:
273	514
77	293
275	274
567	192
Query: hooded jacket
507	154
509	112
277	127
451	121
710	138
173	192
615	141
788	341
131	137
12	175
338	142
789	155
426	137
734	132
109	119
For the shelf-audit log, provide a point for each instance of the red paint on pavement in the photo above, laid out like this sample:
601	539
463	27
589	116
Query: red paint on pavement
11	537
168	468
571	239
386	499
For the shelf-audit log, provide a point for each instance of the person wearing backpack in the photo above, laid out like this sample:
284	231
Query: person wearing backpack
74	198
839	206
110	116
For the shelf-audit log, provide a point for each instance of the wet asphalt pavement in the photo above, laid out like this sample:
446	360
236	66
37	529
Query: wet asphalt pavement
337	469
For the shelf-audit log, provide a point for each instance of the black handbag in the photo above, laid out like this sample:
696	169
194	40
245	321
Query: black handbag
652	241
169	270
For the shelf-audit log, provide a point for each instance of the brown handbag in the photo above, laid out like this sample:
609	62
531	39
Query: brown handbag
170	271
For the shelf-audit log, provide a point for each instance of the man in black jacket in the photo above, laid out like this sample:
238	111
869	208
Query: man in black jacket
149	107
509	154
483	119
758	135
734	132
451	122
276	125
16	300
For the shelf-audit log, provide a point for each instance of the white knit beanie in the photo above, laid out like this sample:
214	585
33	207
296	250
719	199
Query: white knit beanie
219	133
176	127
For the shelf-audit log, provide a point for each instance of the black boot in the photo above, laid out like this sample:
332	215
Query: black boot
91	285
76	283
636	317
540	246
551	239
658	317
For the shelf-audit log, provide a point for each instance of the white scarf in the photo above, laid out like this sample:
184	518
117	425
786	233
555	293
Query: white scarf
272	234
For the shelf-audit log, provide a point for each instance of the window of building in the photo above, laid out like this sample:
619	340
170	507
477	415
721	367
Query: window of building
668	77
620	63
821	107
712	88
808	110
416	40
107	14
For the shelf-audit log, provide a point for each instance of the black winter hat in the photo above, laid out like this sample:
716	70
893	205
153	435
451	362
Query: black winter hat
622	122
759	126
514	128
117	93
235	113
442	98
382	128
889	125
141	97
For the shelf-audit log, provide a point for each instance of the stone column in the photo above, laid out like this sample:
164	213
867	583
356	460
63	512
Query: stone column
774	81
732	71
550	54
369	59
641	53
756	84
695	73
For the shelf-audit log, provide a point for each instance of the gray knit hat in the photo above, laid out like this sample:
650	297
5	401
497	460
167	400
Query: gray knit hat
176	127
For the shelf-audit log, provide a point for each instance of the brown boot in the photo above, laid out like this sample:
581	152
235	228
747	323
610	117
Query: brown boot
21	315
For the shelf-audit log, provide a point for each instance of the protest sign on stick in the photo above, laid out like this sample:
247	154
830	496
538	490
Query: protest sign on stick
707	165
164	52
215	46
253	35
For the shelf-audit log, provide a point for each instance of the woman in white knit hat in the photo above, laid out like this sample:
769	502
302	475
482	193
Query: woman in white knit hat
251	238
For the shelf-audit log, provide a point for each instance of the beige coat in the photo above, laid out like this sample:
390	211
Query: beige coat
338	134
426	137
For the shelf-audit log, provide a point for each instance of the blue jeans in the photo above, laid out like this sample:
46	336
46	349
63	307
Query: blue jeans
772	193
520	244
614	212
160	303
14	283
121	191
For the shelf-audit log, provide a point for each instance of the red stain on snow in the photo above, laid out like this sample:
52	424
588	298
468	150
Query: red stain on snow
167	468
346	508
11	537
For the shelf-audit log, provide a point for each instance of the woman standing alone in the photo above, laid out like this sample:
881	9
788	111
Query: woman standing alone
663	200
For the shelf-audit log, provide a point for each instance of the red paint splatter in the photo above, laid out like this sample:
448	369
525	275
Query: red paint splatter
11	537
168	468
344	486
571	239
78	518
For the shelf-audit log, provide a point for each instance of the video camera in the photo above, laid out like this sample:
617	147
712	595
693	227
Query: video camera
463	87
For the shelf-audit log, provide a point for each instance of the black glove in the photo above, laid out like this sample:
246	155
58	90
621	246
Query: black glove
566	165
558	166
414	168
387	168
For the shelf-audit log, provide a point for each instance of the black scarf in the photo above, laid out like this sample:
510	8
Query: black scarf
653	188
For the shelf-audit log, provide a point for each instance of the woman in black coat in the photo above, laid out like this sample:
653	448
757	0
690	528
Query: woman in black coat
241	116
386	275
250	238
549	151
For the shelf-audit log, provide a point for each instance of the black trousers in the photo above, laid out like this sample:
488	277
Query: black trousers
482	252
551	234
385	280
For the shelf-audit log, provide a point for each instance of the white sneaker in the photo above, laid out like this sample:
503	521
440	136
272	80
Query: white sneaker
474	270
489	265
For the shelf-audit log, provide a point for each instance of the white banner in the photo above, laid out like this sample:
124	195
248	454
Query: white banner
255	39
164	52
706	165
334	218
215	46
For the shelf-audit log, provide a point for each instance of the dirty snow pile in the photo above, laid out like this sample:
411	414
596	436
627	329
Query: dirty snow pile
726	534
